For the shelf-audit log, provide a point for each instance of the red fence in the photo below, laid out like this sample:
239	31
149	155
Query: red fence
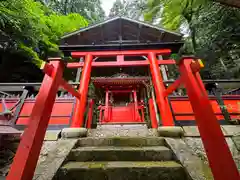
182	109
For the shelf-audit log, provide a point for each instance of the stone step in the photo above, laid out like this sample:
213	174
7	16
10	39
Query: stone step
122	141
128	130
150	153
128	125
122	170
121	123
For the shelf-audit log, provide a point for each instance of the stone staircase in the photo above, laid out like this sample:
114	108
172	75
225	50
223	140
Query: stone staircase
134	157
122	130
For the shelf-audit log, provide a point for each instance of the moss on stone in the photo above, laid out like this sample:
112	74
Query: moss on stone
157	164
90	165
93	165
123	141
207	171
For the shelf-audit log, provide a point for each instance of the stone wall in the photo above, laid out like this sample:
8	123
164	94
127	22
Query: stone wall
232	136
53	153
8	147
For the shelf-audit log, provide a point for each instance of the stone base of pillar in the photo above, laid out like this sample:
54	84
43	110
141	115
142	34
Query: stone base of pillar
167	131
73	132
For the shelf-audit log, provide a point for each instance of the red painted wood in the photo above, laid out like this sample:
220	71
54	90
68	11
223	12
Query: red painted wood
163	104
69	88
180	105
48	69
142	114
60	109
28	151
115	53
210	131
78	117
121	63
183	106
172	87
120	58
123	114
52	121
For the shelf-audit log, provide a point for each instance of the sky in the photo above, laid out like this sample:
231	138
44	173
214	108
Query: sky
107	4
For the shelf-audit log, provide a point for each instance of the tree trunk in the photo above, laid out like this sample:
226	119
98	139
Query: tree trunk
234	3
193	38
65	7
223	64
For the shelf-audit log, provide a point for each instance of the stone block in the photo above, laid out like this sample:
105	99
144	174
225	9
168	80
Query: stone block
53	154
167	131
113	153
122	141
47	147
116	130
231	130
52	135
191	131
196	168
74	132
9	130
236	140
153	132
122	170
196	146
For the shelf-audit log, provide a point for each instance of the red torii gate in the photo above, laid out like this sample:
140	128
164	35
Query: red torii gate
25	160
163	103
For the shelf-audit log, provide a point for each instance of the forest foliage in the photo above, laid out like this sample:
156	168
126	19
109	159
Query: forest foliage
30	30
212	32
91	10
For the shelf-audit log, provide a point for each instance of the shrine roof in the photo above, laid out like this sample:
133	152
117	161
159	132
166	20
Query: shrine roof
120	32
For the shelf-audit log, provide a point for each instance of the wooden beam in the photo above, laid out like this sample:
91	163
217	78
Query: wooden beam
120	64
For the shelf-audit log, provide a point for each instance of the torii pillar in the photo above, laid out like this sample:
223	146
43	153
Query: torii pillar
78	116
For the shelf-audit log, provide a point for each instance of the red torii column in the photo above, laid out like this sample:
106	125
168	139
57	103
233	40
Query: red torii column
28	151
219	156
78	117
162	101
